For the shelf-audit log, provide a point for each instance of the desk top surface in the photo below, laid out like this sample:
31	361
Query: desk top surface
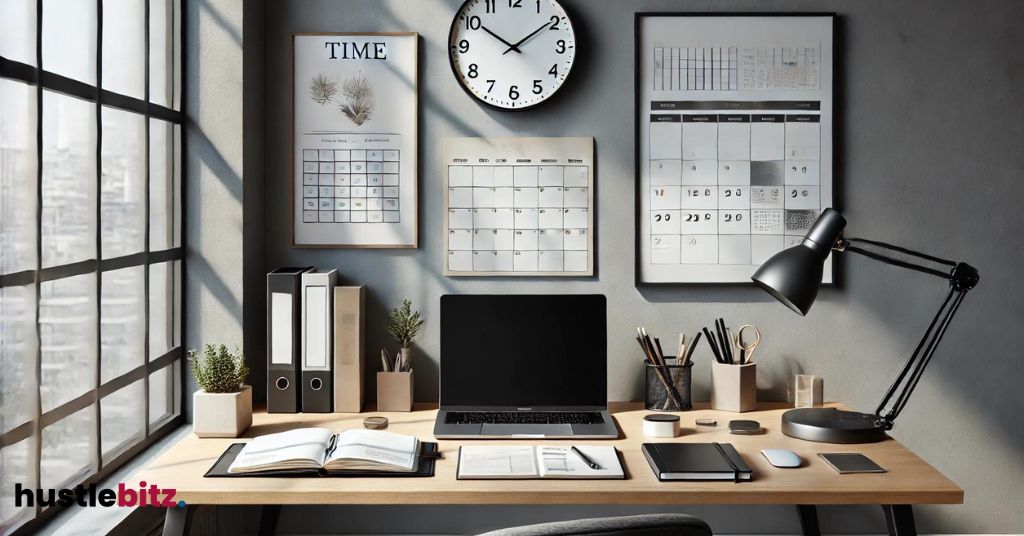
909	480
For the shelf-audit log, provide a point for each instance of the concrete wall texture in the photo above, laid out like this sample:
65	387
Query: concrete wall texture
929	156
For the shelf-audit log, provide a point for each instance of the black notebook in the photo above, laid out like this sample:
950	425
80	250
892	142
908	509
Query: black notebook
696	461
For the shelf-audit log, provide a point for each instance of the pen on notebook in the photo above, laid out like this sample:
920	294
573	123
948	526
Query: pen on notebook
586	459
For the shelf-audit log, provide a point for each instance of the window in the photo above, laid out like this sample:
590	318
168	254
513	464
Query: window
90	239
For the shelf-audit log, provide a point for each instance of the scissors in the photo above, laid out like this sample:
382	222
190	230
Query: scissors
747	349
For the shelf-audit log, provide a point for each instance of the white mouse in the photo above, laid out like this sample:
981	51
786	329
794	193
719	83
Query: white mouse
782	457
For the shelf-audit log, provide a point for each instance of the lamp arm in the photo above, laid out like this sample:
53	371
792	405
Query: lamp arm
962	278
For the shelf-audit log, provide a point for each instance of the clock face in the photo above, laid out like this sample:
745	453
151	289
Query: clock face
511	54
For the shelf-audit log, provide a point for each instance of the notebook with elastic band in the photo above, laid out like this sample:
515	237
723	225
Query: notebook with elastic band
696	461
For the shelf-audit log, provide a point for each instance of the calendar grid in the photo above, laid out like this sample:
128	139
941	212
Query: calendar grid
731	188
350	186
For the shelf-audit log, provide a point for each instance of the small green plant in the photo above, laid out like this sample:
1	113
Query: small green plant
404	324
218	371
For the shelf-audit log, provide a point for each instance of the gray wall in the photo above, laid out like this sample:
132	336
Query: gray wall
930	153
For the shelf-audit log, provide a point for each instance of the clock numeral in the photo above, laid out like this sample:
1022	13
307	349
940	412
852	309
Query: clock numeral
554	23
538	6
537	88
473	23
515	3
561	46
554	70
472	71
463	46
513	92
491	7
490	88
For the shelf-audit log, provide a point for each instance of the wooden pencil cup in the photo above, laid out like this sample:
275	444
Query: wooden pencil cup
734	387
394	391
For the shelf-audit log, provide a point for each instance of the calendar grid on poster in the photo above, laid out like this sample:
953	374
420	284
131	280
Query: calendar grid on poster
350	186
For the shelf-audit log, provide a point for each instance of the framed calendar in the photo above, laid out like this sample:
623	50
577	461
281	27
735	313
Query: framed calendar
734	153
519	206
354	113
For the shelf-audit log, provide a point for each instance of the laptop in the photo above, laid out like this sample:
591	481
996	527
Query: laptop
524	366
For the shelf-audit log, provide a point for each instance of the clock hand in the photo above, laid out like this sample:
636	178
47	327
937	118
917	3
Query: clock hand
523	40
511	47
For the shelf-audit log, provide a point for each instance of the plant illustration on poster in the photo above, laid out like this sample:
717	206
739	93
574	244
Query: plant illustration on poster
354	148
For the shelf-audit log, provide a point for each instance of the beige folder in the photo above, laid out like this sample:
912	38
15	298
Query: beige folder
349	323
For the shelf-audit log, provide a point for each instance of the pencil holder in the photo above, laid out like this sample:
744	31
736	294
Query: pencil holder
394	391
734	387
668	387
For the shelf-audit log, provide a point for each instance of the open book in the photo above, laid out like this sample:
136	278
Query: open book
322	450
542	461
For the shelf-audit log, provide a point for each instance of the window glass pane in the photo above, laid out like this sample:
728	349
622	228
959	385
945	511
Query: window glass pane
124	47
161	309
18	30
121	419
176	39
122	321
176	164
177	303
123	205
161	48
16	463
161	394
68	445
17	355
17	175
161	195
69	39
69	179
67	325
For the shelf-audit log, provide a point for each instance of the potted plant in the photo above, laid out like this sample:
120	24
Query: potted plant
395	381
223	405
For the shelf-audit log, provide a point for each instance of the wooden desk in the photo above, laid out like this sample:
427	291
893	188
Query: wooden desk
910	479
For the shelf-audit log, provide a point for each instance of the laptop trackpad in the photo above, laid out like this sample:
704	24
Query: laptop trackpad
527	429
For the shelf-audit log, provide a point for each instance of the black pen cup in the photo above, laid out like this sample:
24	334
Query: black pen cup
667	387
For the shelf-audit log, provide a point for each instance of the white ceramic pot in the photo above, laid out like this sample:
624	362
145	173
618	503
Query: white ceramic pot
221	414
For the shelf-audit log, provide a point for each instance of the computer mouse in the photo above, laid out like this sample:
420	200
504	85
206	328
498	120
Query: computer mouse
782	457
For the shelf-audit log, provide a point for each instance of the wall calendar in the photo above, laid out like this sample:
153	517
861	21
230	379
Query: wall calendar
519	206
734	141
354	100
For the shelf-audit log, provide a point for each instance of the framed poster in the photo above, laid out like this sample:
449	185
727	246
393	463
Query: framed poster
519	206
354	114
734	128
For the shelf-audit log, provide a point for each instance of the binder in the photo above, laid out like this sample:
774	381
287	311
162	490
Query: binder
349	348
317	295
283	339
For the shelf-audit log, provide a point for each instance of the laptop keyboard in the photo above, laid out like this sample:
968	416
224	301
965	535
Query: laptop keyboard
524	417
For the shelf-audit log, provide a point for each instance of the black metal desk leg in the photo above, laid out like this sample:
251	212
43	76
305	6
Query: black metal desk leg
174	521
808	514
268	519
900	519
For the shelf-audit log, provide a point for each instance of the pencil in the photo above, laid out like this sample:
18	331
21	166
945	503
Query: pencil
711	343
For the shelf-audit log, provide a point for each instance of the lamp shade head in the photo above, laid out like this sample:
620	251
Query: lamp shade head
793	275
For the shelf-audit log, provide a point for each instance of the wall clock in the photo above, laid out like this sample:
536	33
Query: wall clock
512	54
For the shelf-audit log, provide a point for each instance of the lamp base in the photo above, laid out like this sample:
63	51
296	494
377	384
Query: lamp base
830	425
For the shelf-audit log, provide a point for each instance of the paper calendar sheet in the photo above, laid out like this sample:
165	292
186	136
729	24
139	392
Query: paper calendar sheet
519	206
354	140
734	149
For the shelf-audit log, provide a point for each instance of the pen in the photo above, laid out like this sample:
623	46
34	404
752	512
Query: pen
586	459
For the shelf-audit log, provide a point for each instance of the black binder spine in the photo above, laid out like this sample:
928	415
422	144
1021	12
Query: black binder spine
284	337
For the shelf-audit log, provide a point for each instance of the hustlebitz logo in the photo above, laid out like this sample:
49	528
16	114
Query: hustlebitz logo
123	496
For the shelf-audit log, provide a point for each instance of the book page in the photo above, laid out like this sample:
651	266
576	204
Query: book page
562	462
499	461
302	448
374	449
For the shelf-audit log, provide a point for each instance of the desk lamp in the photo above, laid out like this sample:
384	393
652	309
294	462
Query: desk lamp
793	276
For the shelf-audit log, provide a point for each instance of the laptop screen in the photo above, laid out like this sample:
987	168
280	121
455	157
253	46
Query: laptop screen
524	350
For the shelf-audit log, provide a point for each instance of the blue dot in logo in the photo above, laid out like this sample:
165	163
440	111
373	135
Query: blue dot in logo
181	504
